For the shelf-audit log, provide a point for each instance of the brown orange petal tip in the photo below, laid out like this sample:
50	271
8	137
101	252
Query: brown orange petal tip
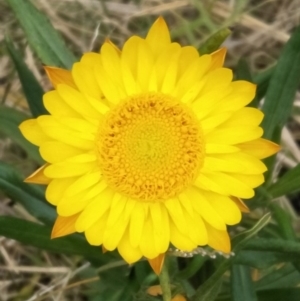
59	76
157	263
103	249
178	298
154	290
241	205
38	177
64	225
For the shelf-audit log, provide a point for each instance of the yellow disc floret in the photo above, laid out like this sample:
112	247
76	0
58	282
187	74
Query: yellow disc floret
150	147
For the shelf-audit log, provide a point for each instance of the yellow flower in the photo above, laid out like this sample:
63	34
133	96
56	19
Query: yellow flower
147	146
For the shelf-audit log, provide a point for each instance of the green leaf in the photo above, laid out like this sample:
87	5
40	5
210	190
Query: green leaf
279	277
262	81
283	86
287	184
284	222
263	259
31	197
274	245
288	294
208	287
240	240
39	236
214	42
242	71
10	120
42	37
242	287
32	89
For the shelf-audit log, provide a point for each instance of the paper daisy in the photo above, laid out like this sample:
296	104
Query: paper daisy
149	146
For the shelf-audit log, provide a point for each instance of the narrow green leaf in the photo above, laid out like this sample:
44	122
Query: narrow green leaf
42	37
214	42
284	222
287	294
242	287
194	265
264	259
262	81
289	183
285	276
39	236
242	71
274	245
212	285
31	197
283	86
32	89
240	240
10	120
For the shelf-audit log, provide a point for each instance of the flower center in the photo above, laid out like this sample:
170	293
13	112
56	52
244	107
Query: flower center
150	147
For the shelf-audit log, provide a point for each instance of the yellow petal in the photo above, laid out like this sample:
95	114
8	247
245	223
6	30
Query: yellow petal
56	189
217	79
218	58
116	209
38	177
107	40
56	106
260	148
60	76
218	240
127	251
77	101
94	210
113	91
55	151
84	75
33	132
234	163
176	213
157	263
64	226
220	148
137	221
179	240
202	205
113	235
245	116
165	60
145	64
158	36
54	130
234	135
68	169
94	234
242	206
193	74
147	240
161	230
111	62
188	55
225	207
229	184
84	182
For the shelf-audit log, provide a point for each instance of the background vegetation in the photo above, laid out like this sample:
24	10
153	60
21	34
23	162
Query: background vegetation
266	265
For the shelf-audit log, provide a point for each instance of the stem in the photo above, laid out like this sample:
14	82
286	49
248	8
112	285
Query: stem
165	283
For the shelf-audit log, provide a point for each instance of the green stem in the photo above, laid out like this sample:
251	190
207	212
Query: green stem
164	281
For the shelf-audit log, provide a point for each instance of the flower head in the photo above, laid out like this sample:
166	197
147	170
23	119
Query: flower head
149	146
